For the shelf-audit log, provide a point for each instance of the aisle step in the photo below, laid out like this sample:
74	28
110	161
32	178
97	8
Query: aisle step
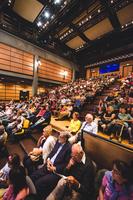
27	145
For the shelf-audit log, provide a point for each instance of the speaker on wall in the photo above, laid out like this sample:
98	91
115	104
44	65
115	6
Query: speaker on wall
24	95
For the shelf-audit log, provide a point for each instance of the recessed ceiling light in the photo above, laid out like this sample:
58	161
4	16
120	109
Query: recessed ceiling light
99	10
47	14
57	1
39	23
52	17
90	16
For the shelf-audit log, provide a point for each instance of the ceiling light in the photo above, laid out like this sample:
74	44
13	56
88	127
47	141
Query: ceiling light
99	10
132	22
39	23
127	64
122	27
126	25
47	14
57	1
52	17
112	1
90	16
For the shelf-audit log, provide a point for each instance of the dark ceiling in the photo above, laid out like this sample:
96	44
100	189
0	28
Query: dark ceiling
83	31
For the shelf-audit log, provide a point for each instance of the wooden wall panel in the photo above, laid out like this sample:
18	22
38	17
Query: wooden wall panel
15	60
88	73
10	91
52	71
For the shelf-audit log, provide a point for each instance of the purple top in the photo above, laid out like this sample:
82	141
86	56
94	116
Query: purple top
114	191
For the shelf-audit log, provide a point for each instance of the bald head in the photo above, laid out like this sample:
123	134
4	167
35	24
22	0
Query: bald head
89	118
77	152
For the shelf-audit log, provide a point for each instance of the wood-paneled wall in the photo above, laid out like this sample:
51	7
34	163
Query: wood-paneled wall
10	91
92	72
126	68
15	60
53	71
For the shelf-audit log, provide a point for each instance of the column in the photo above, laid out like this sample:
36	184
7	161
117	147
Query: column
35	76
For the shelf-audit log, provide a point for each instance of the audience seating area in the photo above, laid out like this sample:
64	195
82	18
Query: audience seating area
107	99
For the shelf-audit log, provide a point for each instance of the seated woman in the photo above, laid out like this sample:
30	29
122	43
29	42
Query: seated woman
44	119
18	188
13	161
116	184
39	155
122	123
65	111
75	124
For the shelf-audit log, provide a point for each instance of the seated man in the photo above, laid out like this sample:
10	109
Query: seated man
122	123
79	181
45	178
88	126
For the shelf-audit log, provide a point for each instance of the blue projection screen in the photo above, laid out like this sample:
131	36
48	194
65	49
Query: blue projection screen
109	68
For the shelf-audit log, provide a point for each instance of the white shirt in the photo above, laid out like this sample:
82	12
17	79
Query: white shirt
48	147
90	127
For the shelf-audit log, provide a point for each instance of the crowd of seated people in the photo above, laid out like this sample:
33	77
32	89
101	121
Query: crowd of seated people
71	97
67	173
114	114
62	101
58	167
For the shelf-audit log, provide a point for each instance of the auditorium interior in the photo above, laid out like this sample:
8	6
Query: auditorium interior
66	92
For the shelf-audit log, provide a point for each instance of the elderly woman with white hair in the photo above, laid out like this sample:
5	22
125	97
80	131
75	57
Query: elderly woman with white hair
38	155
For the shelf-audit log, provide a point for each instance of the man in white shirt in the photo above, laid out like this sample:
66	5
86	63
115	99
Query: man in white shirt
89	125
